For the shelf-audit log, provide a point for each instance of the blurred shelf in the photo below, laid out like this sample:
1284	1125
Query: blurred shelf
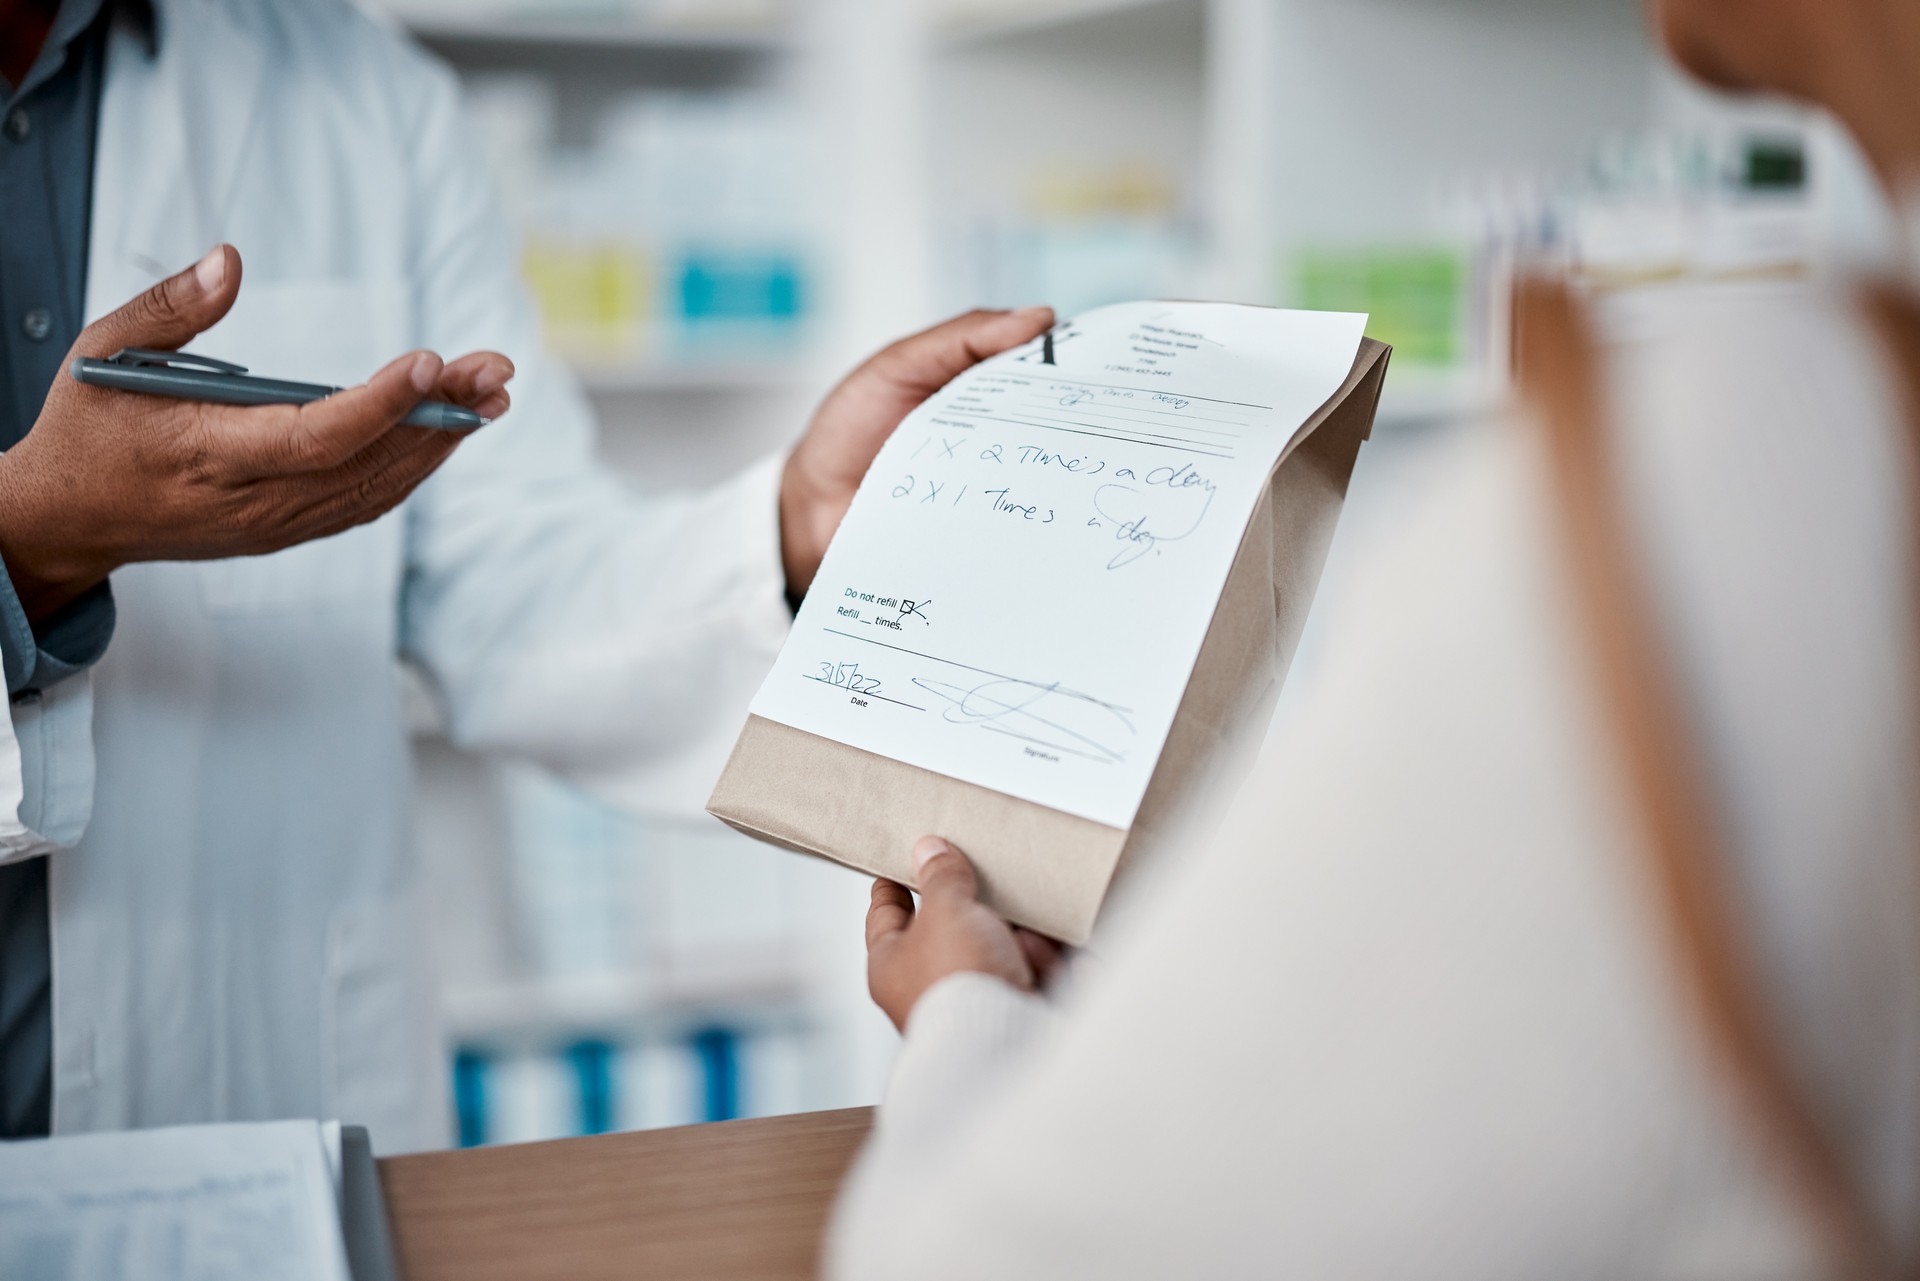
980	23
745	993
1415	396
603	34
689	377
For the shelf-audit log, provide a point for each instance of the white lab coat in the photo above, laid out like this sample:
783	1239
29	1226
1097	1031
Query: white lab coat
237	918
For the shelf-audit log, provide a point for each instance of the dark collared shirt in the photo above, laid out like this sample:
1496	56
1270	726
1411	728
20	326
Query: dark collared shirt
47	129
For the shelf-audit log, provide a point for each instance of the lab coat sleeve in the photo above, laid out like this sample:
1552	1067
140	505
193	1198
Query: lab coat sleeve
565	618
46	758
46	770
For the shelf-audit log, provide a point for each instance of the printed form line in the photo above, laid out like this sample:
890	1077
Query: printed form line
1105	435
1167	420
1048	420
1030	380
1052	747
999	676
860	693
1118	406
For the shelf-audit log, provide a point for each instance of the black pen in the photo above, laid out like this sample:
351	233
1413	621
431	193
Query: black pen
188	377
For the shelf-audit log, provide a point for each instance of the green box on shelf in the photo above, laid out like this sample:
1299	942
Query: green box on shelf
1417	297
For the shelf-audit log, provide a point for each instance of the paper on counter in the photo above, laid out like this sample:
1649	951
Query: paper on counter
330	1139
1018	595
197	1203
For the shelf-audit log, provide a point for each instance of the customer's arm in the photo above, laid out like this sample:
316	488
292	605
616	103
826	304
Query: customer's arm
1408	1017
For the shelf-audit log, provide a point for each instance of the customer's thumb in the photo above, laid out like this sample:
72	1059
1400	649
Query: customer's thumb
173	312
943	872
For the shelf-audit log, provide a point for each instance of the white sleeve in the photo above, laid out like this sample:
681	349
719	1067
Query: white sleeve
967	1034
1407	1017
46	770
612	636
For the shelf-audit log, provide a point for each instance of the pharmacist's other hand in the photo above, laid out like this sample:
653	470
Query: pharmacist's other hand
952	932
857	417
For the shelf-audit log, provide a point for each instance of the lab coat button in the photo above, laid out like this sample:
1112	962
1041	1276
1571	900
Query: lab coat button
18	125
37	324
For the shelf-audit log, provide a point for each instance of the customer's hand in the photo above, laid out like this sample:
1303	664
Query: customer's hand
857	417
107	478
909	951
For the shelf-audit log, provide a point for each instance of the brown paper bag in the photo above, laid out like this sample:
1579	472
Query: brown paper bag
1039	867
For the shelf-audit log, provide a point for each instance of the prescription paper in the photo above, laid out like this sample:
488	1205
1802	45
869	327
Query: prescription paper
1019	592
195	1203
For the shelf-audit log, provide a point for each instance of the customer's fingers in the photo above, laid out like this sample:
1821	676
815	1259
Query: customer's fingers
945	875
1042	953
890	912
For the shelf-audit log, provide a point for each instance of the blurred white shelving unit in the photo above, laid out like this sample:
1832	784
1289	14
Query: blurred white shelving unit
1278	128
609	378
1418	397
623	1006
589	55
994	20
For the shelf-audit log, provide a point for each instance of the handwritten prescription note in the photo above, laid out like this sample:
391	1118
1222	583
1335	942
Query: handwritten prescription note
1021	589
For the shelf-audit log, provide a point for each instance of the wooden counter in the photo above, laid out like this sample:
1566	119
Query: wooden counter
742	1199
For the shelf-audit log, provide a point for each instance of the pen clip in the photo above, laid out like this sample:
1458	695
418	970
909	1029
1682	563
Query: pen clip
143	358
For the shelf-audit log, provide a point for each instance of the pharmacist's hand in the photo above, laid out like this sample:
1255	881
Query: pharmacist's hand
857	417
107	478
909	951
476	381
